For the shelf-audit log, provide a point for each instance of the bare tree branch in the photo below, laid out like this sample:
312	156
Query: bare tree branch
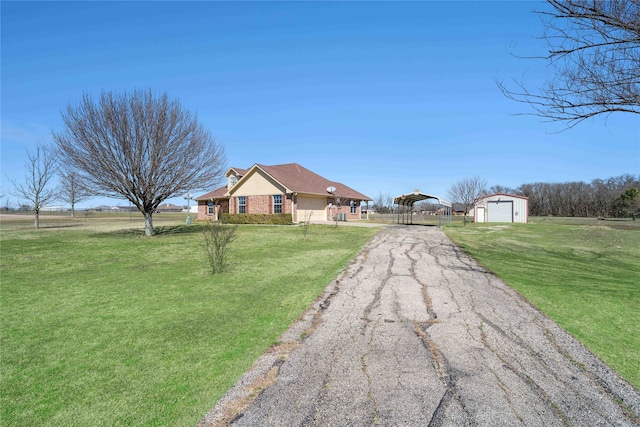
40	168
72	190
466	192
594	51
140	147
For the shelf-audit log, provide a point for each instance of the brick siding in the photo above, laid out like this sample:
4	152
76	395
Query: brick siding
262	204
203	209
345	208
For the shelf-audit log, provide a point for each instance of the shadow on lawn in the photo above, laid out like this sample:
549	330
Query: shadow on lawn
62	225
162	230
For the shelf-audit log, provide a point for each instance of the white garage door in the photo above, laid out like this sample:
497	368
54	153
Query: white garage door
500	211
314	206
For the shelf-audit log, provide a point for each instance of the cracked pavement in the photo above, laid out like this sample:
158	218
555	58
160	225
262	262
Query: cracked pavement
415	333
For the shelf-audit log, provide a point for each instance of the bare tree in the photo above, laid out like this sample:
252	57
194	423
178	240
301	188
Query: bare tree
5	206
40	169
594	49
383	202
71	189
426	206
305	225
466	192
140	147
502	189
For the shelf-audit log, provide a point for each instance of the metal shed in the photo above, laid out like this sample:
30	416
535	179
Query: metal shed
501	207
408	200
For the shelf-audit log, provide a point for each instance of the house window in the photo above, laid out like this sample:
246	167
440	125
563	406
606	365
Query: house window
233	180
210	205
277	203
242	204
354	207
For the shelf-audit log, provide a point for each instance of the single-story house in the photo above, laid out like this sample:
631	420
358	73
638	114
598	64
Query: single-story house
131	208
457	208
168	207
288	188
501	207
105	208
52	209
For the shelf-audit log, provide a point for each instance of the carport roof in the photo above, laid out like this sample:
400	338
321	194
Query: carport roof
410	198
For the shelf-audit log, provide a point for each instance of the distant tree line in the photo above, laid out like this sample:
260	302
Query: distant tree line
612	197
615	197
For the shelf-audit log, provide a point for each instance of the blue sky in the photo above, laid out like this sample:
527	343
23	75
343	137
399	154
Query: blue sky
384	97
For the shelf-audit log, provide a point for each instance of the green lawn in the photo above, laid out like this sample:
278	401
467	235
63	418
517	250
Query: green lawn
102	326
584	274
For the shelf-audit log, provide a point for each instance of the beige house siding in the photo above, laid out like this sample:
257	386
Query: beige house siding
257	184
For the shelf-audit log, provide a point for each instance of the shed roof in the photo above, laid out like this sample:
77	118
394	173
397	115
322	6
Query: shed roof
411	198
503	194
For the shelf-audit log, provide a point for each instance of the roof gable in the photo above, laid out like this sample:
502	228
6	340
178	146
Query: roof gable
292	177
236	171
256	181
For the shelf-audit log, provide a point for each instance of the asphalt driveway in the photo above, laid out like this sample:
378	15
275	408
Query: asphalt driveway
415	333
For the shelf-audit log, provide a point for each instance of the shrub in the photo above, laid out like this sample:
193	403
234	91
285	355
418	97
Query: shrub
216	238
305	226
277	219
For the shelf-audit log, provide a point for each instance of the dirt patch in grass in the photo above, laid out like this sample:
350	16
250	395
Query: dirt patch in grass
234	409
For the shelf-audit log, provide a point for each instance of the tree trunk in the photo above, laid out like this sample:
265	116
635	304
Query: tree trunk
148	224
73	212
37	219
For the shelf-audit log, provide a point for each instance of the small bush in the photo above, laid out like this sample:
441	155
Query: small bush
277	219
305	226
217	237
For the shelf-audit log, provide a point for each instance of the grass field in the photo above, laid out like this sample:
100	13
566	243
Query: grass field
583	273
101	326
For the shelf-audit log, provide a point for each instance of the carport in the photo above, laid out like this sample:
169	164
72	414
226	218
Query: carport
408	200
